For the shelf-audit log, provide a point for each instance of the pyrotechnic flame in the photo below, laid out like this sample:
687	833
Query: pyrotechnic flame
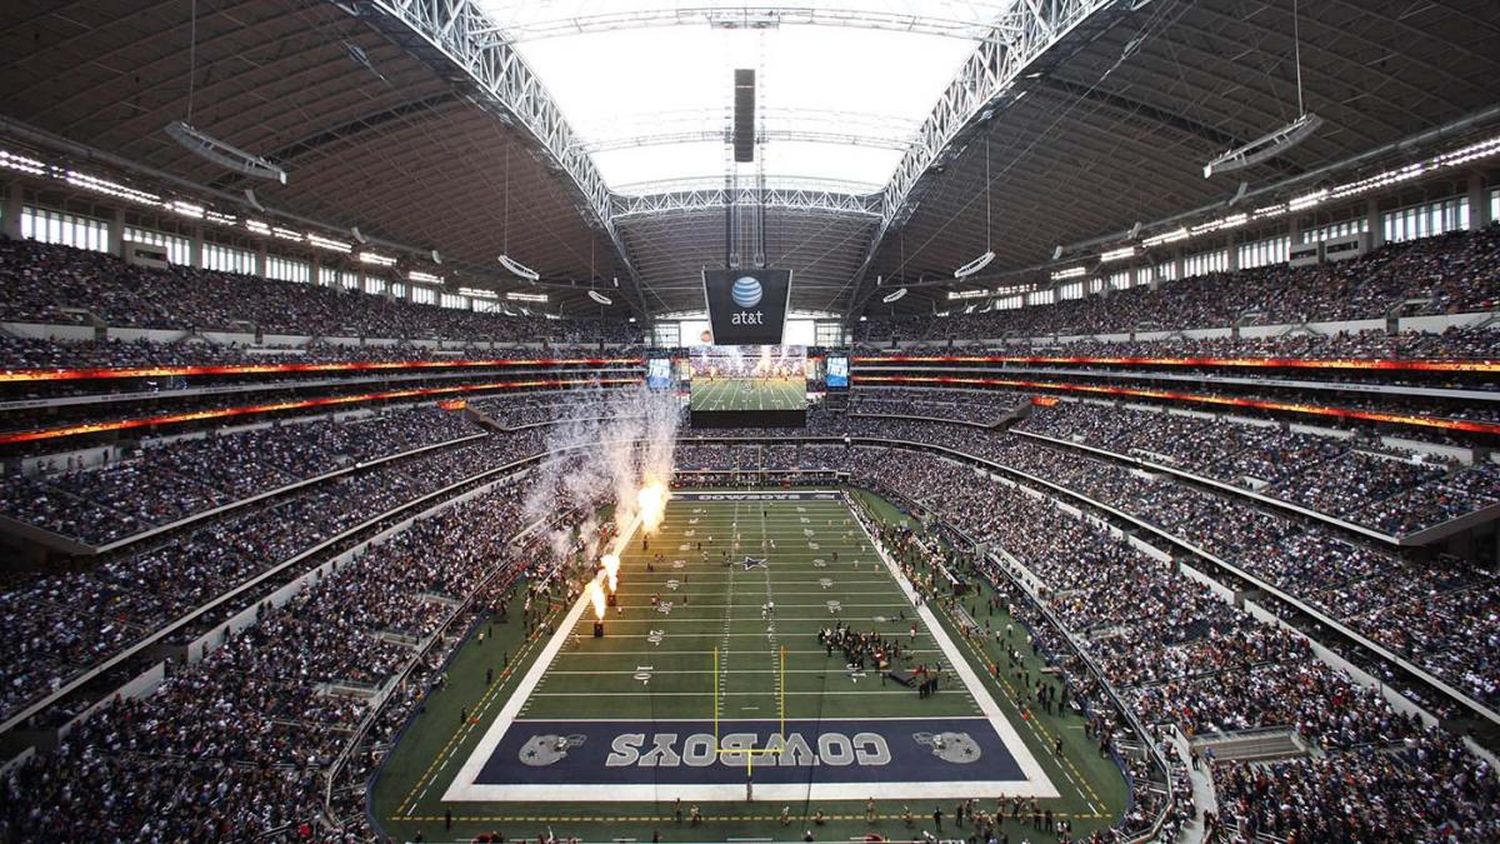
652	501
596	597
611	563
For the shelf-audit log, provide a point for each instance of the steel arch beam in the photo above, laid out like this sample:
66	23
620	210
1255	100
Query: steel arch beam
750	17
459	33
719	136
986	83
712	198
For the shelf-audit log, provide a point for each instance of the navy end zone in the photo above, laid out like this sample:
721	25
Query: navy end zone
684	752
828	759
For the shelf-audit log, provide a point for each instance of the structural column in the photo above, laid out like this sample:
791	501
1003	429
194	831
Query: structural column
12	212
1372	215
1479	206
117	233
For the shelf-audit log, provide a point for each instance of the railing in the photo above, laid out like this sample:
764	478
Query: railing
1147	742
187	619
399	678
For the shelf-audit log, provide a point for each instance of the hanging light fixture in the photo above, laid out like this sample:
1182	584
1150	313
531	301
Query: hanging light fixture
506	261
984	260
1273	144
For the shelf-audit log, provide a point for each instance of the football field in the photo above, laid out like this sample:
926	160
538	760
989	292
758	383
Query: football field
749	394
710	685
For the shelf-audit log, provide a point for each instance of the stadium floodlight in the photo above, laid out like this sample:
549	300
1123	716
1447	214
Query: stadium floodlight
1307	200
428	278
215	150
975	265
518	296
321	242
1124	253
519	268
1071	272
21	163
600	298
1264	147
377	259
1173	236
186	209
86	181
894	295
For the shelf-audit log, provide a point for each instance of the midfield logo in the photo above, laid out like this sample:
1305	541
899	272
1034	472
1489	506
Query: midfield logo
752	562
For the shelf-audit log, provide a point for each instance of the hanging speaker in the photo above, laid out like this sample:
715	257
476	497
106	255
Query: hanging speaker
744	114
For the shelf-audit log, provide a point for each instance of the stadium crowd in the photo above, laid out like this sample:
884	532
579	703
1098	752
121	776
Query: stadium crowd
983	407
249	732
1447	274
1357	479
60	625
48	284
1186	657
1477	342
1437	613
239	743
20	354
173	480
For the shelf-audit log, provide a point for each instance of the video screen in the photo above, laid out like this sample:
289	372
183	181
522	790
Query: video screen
749	378
836	374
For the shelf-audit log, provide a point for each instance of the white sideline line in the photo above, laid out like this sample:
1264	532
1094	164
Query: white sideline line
463	783
977	689
463	787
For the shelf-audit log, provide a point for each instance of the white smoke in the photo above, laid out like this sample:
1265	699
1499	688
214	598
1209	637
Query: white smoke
607	445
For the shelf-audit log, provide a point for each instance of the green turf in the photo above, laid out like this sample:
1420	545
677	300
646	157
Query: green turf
718	608
595	678
749	394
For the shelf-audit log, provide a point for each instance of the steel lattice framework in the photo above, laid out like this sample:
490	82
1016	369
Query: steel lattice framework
984	81
462	32
711	198
752	17
982	87
711	136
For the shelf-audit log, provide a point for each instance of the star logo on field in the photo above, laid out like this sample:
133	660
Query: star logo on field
752	562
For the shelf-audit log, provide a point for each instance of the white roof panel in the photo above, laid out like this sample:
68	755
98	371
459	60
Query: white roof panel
838	102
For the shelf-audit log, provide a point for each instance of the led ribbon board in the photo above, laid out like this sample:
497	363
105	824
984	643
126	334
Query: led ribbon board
747	307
